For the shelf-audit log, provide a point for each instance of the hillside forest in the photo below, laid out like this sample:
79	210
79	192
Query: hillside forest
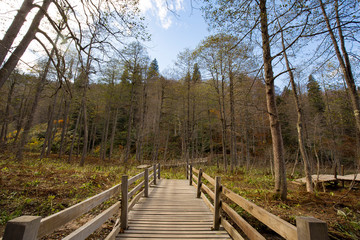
96	92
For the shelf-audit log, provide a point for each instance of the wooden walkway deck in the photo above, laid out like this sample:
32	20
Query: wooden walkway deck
171	211
329	178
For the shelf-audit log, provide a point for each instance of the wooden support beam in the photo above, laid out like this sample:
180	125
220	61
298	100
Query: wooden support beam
217	203
22	228
198	193
124	203
154	174
146	190
309	228
342	174
191	175
159	171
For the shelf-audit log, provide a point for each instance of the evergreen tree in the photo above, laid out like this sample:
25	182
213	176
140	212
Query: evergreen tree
196	76
153	69
315	96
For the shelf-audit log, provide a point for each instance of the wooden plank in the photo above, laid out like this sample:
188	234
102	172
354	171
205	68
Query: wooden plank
209	179
188	228
53	222
249	231
135	189
124	202
283	228
195	170
208	191
177	232
135	178
22	228
350	177
121	237
173	238
231	230
310	228
135	200
163	223
217	207
208	203
112	235
87	229
167	236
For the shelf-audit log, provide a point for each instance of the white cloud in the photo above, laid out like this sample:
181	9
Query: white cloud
160	8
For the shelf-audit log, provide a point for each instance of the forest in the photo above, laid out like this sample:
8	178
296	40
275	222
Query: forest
97	97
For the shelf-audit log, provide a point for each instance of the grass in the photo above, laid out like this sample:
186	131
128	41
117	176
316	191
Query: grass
44	187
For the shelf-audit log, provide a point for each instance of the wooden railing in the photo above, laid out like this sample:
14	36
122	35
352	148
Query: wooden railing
179	163
308	228
34	227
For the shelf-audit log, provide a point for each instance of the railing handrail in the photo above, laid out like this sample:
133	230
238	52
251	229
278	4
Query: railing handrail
49	224
280	226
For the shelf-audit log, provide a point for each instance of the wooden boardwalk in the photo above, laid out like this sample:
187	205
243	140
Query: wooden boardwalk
329	178
171	211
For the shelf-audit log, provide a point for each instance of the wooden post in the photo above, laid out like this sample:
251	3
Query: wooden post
198	193
155	174
190	175
159	171
217	204
124	203
187	171
342	174
309	228
22	228
146	182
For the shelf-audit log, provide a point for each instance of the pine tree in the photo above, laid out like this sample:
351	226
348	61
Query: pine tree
315	96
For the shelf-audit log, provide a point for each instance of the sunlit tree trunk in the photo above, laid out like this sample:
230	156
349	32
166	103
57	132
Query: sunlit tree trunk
14	58
14	28
277	141
300	121
344	61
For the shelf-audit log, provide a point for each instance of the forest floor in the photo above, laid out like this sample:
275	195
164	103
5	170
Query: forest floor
43	187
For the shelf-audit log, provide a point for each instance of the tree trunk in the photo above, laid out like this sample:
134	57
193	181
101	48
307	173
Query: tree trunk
14	58
233	150
55	128
74	136
166	144
85	119
106	133
4	128
157	127
21	117
299	124
277	141
223	123
140	130
130	122
64	128
344	61
49	127
14	28
30	118
113	131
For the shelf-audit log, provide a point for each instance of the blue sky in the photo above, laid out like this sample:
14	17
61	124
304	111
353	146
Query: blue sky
170	33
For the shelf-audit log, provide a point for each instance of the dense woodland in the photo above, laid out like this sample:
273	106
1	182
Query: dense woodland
97	92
